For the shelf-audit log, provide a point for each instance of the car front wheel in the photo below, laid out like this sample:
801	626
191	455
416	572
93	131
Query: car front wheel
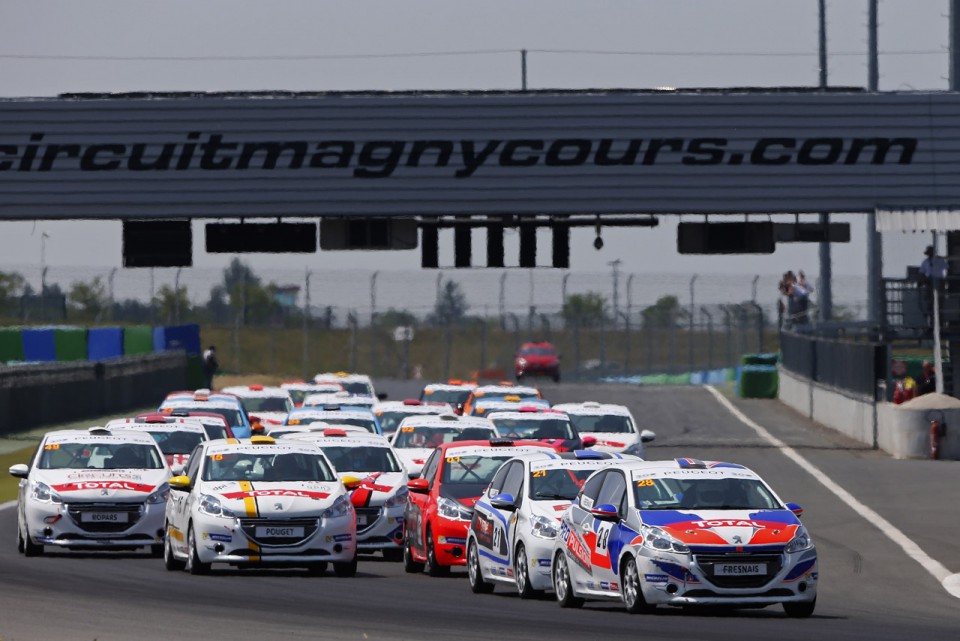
799	609
562	585
171	562
521	573
631	591
29	547
477	584
432	566
194	565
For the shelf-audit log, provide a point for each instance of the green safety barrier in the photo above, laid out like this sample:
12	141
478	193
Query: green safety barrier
137	339
70	343
758	381
11	344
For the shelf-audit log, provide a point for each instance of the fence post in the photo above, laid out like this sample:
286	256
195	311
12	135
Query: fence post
576	347
448	346
743	329
236	343
760	324
483	345
352	322
706	312
626	342
672	347
603	343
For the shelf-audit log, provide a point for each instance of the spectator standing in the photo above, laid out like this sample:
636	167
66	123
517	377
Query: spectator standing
928	379
933	269
210	365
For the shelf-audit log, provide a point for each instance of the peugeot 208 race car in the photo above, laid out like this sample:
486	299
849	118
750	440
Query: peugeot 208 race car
418	436
441	501
515	521
262	502
612	426
94	489
684	532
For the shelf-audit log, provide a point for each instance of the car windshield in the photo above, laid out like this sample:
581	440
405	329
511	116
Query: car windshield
534	429
557	484
538	351
233	417
362	459
272	404
177	442
390	420
421	437
100	456
467	476
367	424
267	466
215	432
607	423
454	397
702	494
359	389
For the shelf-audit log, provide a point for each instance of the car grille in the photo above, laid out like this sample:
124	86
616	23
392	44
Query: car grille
707	562
134	512
371	514
249	527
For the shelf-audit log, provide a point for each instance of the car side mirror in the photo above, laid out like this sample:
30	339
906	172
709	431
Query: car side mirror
351	482
589	441
605	512
413	475
503	502
180	483
19	470
646	436
382	396
421	486
177	469
793	507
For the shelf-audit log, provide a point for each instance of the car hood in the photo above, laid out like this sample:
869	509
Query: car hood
611	441
274	418
414	457
277	499
374	488
550	509
725	527
121	486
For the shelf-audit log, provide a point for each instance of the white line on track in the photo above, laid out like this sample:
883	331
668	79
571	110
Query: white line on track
4	506
950	582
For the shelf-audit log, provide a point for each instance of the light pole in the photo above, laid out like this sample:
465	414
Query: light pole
306	317
113	272
176	296
693	310
615	265
503	310
629	295
373	296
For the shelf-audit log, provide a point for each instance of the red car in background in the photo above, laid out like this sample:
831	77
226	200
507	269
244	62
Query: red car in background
537	359
440	506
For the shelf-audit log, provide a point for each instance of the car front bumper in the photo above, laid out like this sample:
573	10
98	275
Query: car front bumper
66	525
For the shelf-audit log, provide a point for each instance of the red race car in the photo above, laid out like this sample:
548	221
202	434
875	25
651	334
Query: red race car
537	359
440	507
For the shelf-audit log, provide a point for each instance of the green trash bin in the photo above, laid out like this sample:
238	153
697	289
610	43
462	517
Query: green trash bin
758	381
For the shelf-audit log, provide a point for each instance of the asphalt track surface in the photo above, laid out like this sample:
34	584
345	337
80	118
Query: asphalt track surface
869	588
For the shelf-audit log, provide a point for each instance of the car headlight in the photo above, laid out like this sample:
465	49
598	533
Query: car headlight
521	362
449	509
42	492
159	495
637	449
340	507
544	528
400	498
656	539
211	505
800	542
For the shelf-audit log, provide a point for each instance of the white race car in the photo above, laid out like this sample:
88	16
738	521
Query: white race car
357	418
418	436
340	399
377	482
515	522
176	437
92	489
299	390
263	404
260	502
684	532
356	384
612	426
390	413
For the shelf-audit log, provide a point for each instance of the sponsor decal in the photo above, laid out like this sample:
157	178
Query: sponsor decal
102	475
579	551
451	540
84	486
306	494
222	538
656	578
543	563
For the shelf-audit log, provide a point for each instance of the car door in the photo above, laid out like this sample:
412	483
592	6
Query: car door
580	522
414	513
495	554
179	502
606	533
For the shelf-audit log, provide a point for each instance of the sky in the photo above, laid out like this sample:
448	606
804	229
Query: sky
49	47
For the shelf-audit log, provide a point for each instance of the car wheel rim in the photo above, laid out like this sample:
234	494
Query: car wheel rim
190	552
560	582
630	586
521	570
473	569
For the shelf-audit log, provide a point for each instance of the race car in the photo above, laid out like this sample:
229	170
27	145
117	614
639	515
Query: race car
377	481
176	438
390	413
440	507
537	359
536	423
227	405
343	399
499	392
355	384
684	532
92	488
485	406
455	392
263	404
611	425
334	415
215	425
263	502
514	525
418	436
298	390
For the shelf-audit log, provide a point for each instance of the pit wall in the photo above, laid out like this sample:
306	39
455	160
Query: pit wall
46	394
898	430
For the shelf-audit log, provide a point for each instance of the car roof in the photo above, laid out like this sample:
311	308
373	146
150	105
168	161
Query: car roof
256	391
693	467
529	416
142	426
507	390
412	408
490	446
348	439
277	445
591	408
435	420
225	402
98	434
331	414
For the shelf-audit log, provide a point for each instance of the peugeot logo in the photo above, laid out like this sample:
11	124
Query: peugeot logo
737	539
278	506
104	492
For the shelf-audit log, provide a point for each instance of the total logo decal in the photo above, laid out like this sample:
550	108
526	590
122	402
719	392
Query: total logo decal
81	486
305	494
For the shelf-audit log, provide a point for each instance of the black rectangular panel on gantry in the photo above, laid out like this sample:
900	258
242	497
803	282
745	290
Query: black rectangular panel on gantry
265	238
157	243
725	238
